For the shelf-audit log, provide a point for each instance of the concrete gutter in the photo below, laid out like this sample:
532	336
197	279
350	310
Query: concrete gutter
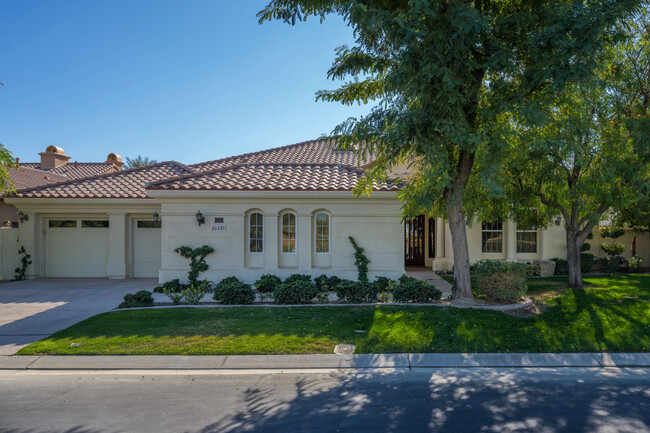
301	362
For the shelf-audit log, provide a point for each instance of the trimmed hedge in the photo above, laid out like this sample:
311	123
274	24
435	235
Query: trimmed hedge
410	289
501	282
295	292
355	292
174	286
231	291
586	261
142	298
267	283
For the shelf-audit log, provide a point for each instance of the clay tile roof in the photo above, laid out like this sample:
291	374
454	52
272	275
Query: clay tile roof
25	177
277	177
73	170
308	152
129	183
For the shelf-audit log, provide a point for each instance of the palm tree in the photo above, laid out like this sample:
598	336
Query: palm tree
139	161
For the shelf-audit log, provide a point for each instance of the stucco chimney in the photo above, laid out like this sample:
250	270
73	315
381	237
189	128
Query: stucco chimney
53	157
114	158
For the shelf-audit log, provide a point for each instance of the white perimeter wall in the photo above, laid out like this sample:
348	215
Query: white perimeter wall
9	259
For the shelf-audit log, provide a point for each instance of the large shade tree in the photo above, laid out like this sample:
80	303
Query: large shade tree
444	76
588	154
7	161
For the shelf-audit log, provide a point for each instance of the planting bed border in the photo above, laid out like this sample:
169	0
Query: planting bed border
507	307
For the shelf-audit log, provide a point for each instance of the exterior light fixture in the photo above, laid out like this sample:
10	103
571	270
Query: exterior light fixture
22	216
156	218
199	217
558	220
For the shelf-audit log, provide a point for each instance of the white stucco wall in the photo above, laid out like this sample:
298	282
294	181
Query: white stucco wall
373	222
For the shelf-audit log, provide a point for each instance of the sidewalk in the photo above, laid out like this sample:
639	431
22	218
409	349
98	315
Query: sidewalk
289	362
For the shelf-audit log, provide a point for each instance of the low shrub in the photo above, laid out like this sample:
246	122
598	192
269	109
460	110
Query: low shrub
410	289
561	266
295	292
634	263
267	283
501	282
383	284
298	277
586	261
355	292
333	281
533	270
226	282
173	285
173	296
142	298
231	291
196	292
612	264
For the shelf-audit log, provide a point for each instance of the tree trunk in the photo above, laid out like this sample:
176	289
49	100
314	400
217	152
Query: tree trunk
573	257
458	229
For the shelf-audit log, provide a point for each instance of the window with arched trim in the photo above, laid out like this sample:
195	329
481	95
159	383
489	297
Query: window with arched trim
256	233
322	233
288	233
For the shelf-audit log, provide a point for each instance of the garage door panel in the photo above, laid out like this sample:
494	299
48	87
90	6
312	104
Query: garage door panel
76	251
146	250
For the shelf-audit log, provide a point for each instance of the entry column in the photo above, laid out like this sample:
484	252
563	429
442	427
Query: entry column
117	267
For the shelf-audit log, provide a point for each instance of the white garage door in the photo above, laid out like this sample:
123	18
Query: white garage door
76	247
146	249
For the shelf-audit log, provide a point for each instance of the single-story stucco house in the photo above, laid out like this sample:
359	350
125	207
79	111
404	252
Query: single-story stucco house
284	210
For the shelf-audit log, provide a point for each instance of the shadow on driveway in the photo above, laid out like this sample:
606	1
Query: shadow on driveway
34	309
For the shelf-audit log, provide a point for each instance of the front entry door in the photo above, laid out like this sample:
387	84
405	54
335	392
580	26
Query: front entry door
414	241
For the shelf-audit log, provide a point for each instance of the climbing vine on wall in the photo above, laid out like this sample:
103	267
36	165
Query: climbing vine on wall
360	261
197	260
25	261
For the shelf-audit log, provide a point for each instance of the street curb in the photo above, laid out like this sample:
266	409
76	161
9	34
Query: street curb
409	361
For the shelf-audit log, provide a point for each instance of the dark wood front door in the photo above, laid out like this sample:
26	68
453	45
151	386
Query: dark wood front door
414	241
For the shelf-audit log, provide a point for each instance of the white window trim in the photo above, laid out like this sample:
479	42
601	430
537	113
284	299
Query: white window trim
250	215
295	217
329	233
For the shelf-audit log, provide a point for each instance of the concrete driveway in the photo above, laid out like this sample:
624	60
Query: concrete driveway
33	309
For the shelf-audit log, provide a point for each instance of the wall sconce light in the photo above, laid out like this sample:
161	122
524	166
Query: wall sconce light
156	218
558	220
22	216
199	217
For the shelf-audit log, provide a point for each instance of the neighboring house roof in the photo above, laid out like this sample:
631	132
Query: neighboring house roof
307	152
26	177
129	183
75	170
275	177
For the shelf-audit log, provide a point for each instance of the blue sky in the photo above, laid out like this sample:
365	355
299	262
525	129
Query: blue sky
184	80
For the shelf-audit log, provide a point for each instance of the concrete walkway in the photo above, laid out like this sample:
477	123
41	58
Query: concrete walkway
34	309
426	274
302	362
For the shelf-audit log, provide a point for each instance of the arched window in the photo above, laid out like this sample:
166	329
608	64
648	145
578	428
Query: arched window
288	233
322	233
256	233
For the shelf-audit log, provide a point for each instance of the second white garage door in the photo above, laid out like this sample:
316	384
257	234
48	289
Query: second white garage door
76	247
146	249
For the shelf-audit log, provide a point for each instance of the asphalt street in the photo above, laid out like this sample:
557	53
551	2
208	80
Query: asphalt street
402	400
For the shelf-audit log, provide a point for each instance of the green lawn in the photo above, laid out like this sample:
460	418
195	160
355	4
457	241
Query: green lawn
611	314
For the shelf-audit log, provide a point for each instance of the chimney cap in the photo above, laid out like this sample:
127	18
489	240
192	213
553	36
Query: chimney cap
113	157
54	149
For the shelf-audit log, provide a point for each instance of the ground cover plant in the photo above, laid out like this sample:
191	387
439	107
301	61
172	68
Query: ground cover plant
612	313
